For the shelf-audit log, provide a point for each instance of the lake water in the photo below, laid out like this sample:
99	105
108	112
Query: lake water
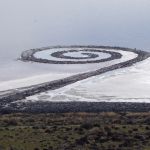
35	24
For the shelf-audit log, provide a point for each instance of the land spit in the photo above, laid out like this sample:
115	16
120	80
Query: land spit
8	102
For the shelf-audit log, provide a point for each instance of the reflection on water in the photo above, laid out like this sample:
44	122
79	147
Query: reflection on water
34	24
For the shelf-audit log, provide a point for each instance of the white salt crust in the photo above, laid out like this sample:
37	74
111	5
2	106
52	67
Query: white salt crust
123	85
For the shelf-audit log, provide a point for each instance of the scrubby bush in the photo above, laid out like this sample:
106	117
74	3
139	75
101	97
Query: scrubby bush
40	126
113	126
86	125
13	122
94	131
5	120
147	120
107	128
131	121
31	119
77	120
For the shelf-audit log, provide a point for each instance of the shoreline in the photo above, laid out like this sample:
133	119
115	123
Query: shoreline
7	101
67	107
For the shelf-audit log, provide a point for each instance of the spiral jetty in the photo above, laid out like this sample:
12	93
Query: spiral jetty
8	102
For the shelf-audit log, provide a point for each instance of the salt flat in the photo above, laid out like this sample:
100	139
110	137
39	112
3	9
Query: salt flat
131	84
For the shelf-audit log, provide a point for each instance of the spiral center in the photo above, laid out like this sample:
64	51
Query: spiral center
76	54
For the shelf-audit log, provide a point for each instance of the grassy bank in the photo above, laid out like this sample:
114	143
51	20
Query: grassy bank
106	131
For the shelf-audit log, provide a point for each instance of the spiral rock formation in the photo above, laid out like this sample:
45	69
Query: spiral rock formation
89	57
30	56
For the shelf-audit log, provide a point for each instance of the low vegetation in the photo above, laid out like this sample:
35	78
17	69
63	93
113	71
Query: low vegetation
75	131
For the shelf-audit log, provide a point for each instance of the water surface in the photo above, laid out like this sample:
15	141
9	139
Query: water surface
34	24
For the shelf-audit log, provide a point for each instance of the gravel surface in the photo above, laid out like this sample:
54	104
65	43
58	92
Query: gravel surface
65	107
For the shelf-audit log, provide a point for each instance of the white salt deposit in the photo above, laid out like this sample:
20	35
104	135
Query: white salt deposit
124	85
